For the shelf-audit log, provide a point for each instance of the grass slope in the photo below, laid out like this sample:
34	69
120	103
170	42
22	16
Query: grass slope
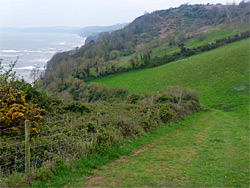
220	76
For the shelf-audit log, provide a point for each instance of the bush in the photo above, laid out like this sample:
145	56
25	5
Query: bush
167	114
105	138
133	98
14	110
164	97
76	107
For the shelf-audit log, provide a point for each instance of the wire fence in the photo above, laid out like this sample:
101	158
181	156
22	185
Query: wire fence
60	139
57	140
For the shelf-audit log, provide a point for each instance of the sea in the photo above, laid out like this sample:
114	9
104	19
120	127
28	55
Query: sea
34	50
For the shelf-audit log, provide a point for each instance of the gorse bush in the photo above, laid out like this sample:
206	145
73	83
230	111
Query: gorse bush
14	110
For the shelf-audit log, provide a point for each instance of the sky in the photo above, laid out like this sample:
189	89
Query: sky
81	13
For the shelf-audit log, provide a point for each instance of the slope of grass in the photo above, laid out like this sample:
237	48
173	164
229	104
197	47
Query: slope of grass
220	76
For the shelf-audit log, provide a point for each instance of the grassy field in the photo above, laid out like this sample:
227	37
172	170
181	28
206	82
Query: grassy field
220	76
207	149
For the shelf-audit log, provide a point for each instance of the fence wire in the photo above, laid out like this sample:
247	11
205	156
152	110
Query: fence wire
62	140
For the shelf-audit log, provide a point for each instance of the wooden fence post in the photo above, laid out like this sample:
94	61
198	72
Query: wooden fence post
27	146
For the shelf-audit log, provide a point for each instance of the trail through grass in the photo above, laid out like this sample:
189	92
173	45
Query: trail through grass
200	154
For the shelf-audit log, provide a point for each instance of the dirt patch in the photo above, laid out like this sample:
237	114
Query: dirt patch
138	152
122	160
112	164
94	171
96	178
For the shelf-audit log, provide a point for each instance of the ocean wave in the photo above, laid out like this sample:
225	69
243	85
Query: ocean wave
46	52
9	55
30	51
41	60
25	68
62	43
39	51
10	51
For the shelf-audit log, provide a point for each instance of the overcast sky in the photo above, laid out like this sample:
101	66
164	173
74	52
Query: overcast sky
81	13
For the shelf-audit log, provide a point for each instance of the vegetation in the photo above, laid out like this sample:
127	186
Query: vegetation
217	76
14	109
150	40
107	117
205	150
209	148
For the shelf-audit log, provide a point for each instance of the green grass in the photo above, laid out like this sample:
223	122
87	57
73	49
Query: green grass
72	173
164	50
207	149
210	36
220	76
124	61
204	152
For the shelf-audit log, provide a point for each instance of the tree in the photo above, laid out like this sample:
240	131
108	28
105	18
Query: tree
35	73
237	14
244	13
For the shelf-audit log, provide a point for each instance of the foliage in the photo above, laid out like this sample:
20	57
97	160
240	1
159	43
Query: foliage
103	126
76	107
213	74
133	98
14	110
166	31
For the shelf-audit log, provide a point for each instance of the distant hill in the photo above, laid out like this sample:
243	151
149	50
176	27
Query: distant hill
83	32
57	29
95	30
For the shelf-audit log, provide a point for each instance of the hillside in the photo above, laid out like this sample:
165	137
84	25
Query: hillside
212	149
150	40
161	102
220	76
92	32
209	148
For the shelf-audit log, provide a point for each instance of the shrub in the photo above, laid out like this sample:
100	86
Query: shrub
105	138
180	94
164	97
133	98
76	107
14	110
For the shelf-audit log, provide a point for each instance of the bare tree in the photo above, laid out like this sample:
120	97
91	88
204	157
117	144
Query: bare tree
177	92
244	13
35	73
237	14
